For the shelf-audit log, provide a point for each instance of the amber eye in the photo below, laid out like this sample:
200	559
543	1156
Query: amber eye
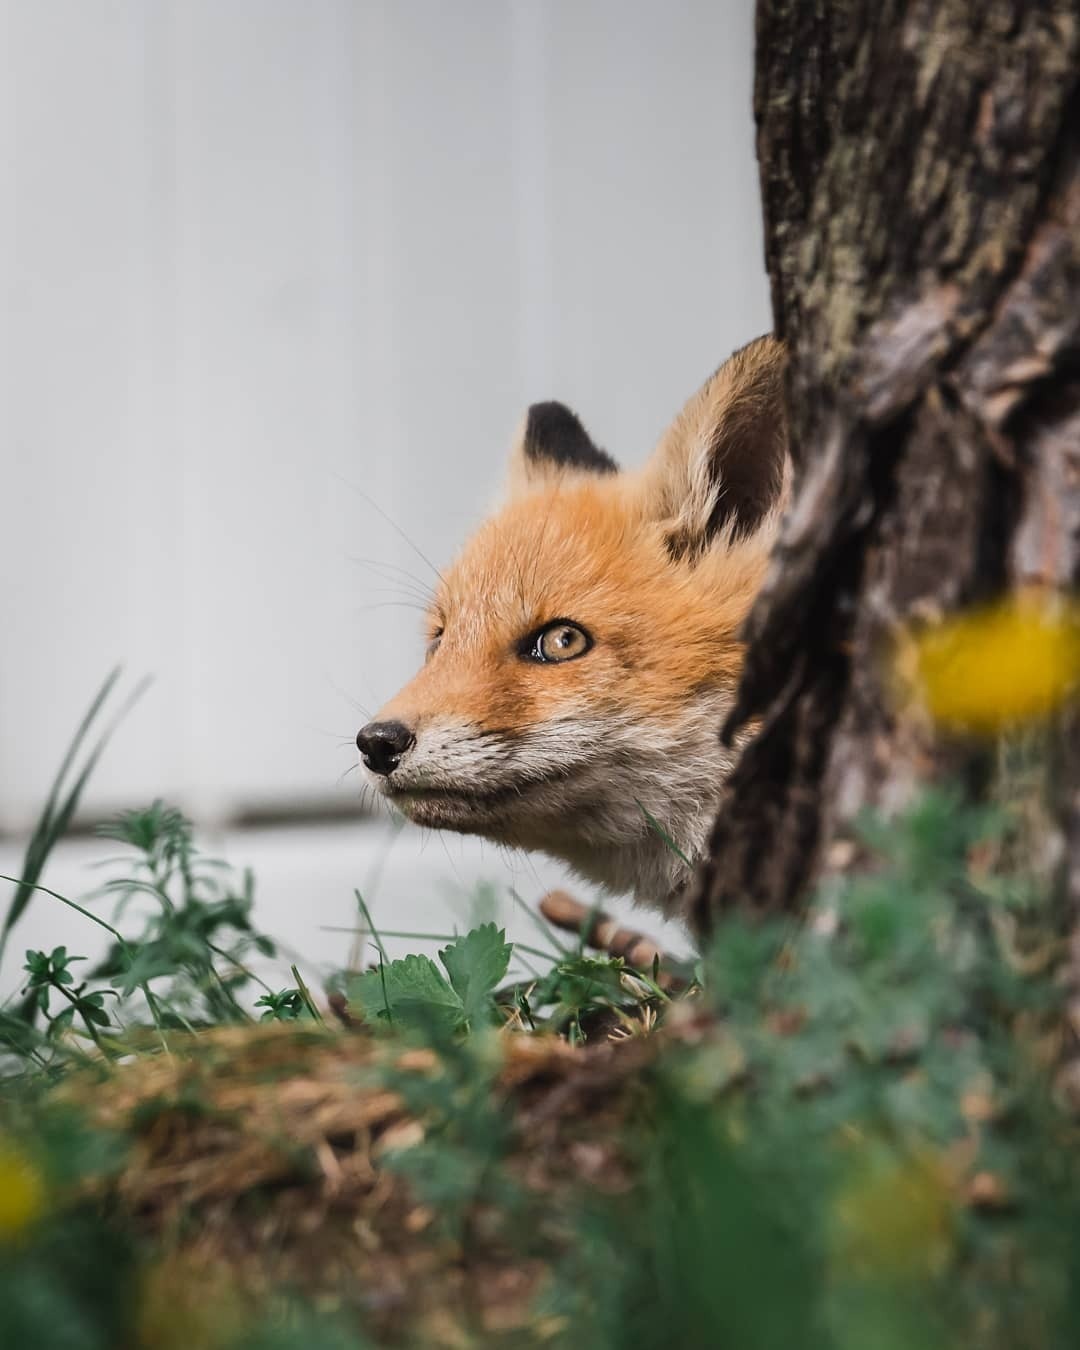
558	641
433	643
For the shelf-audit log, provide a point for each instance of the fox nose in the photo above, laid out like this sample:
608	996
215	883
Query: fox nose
381	745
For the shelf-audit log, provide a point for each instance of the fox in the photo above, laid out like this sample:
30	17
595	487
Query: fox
584	648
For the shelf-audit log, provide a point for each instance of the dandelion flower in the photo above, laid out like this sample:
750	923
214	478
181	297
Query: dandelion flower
894	1217
999	667
22	1192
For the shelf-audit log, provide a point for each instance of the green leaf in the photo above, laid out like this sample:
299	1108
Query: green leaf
287	1005
586	980
580	984
17	1035
37	967
476	963
153	960
410	990
90	1008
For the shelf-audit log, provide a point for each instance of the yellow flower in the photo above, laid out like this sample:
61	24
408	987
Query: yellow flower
22	1192
894	1218
186	1300
999	667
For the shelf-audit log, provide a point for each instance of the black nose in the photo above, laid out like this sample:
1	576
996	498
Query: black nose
381	745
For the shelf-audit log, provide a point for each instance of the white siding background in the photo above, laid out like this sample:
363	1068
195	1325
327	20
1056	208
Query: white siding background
275	271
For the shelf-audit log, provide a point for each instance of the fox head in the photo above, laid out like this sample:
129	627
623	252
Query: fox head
583	649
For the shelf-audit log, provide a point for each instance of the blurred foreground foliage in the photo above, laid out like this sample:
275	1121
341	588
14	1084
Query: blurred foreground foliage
839	1132
844	1136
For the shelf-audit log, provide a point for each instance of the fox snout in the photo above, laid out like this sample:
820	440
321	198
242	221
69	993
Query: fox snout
382	744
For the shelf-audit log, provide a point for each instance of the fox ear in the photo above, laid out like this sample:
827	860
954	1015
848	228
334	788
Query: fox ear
550	443
721	466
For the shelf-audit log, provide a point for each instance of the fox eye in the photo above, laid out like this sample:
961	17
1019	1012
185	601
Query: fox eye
558	641
433	643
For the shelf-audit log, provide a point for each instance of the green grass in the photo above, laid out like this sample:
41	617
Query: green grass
849	1139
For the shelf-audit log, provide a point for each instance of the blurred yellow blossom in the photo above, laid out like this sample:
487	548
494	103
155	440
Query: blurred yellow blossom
22	1191
895	1217
187	1301
998	667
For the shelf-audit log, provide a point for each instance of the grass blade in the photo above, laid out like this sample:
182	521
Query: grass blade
371	927
56	814
538	921
305	994
659	830
44	833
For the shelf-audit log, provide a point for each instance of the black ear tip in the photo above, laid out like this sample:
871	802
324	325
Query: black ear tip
555	434
551	418
550	425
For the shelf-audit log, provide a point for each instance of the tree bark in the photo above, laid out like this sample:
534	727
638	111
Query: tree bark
920	171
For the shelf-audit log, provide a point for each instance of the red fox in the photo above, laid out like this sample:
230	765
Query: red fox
583	649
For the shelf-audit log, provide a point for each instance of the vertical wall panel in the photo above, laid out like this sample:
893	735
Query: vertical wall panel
260	280
87	540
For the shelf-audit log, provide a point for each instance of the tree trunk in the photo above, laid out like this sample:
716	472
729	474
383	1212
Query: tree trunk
920	170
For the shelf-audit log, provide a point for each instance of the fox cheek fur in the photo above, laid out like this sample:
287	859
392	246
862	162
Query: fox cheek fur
584	648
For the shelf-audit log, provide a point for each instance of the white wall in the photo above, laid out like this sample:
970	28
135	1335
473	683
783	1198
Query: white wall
259	258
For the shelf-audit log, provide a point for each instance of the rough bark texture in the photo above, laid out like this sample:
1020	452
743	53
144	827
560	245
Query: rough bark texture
920	169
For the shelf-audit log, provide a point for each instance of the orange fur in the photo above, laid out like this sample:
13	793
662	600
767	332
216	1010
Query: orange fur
659	568
588	551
